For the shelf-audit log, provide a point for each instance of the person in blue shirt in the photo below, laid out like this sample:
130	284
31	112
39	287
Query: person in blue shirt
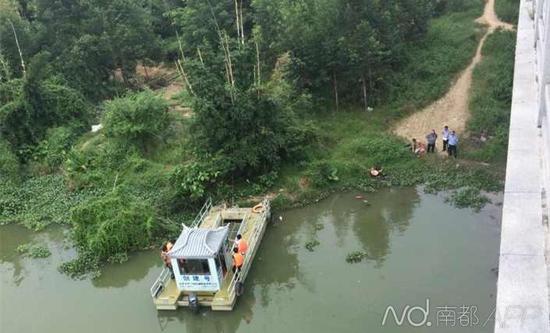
452	144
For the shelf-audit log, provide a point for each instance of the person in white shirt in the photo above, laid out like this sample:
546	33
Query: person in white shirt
445	137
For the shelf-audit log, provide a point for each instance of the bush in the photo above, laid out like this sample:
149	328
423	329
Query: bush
382	149
507	10
136	119
195	179
52	151
322	174
9	165
113	224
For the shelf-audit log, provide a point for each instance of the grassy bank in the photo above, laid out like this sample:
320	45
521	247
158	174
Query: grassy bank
433	64
491	100
507	10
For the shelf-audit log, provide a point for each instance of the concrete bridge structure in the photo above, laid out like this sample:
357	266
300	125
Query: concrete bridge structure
522	303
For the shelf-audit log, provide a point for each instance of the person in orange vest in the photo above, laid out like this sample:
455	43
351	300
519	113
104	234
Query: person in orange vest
238	260
241	244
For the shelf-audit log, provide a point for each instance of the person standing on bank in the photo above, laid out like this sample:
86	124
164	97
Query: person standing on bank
445	137
453	144
431	138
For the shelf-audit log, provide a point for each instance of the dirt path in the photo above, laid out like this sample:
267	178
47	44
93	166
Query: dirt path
453	108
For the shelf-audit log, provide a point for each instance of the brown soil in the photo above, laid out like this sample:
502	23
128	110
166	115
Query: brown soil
453	108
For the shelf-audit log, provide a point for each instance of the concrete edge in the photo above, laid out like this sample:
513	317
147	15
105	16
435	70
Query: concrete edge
522	289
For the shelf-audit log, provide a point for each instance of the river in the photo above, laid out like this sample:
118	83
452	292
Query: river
419	249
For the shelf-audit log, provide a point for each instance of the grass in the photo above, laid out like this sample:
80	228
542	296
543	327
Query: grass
507	10
433	63
491	99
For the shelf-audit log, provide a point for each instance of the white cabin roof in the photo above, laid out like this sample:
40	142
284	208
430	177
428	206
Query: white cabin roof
198	242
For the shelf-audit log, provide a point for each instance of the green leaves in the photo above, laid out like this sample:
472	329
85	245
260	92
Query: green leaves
136	119
33	250
113	224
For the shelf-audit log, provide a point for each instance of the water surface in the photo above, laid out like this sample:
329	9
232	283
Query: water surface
418	248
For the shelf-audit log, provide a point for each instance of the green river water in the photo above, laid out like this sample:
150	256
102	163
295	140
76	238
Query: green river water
419	248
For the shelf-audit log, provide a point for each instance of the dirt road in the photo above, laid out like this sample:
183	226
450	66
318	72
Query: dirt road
453	108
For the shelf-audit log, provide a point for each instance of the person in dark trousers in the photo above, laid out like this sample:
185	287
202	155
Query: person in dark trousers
453	144
431	138
445	137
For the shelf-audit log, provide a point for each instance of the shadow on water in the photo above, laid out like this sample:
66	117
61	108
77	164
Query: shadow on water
14	235
387	212
208	321
135	269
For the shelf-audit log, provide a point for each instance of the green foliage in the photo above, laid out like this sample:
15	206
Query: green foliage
113	224
310	245
491	99
39	201
469	197
136	119
431	64
321	173
507	10
85	265
251	126
33	250
90	40
52	151
9	165
195	179
355	257
34	104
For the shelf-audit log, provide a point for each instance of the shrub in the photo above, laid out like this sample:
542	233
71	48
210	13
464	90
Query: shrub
195	179
9	165
52	151
113	224
136	119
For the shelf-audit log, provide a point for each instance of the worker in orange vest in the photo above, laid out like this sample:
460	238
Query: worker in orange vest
238	260
241	244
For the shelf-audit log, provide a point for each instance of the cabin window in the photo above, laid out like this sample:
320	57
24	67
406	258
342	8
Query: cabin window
194	267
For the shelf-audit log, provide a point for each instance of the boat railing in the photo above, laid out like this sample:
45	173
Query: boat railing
160	282
253	239
202	213
243	223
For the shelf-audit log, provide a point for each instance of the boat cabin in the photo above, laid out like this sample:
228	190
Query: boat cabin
200	259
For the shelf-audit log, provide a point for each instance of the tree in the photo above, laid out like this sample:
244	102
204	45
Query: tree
136	119
39	101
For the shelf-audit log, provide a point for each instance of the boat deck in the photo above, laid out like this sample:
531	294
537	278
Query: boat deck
252	230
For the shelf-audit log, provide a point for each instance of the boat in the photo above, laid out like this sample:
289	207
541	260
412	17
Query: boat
202	261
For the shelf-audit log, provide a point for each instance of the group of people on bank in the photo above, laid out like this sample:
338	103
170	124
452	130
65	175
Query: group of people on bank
448	137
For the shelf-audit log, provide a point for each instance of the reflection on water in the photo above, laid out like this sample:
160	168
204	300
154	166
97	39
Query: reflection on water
418	246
